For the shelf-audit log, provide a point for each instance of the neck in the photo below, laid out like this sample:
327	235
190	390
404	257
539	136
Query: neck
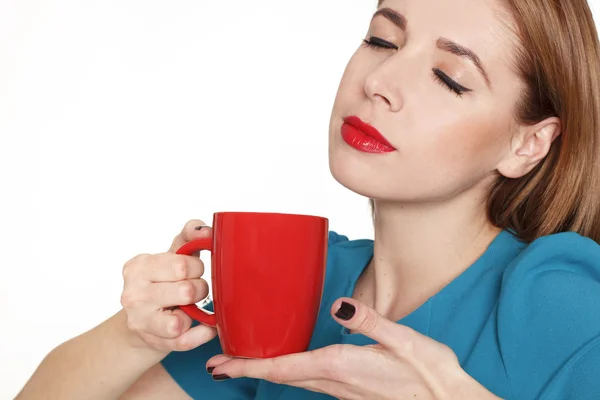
420	248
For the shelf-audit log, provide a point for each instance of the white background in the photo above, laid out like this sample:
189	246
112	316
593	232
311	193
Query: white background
121	120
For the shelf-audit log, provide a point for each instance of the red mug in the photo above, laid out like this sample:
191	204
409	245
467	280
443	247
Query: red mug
268	271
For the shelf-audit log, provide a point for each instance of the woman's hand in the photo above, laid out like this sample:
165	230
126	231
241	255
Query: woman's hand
403	365
155	284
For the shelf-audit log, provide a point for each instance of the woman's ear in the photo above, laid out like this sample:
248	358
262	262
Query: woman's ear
529	146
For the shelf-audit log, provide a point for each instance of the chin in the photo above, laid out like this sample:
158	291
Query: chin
360	176
383	179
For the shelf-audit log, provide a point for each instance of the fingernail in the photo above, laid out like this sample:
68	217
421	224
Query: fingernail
221	377
210	369
346	311
198	228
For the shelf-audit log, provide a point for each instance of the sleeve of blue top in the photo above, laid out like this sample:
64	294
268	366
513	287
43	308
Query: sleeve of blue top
549	319
187	368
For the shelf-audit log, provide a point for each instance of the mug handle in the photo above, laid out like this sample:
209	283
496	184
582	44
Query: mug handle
200	315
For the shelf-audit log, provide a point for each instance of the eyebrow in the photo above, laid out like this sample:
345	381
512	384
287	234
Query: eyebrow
461	51
442	43
394	16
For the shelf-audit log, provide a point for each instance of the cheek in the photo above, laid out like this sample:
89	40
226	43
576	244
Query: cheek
471	148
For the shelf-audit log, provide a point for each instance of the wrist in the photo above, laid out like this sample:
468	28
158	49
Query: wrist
134	343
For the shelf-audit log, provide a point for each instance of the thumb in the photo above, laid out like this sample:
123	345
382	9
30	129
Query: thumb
360	318
193	336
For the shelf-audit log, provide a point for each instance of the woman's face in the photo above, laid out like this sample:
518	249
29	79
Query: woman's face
437	82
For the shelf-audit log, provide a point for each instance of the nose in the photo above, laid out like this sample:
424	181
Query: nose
380	87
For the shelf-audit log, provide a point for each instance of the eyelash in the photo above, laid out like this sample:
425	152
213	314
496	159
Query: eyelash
379	44
449	83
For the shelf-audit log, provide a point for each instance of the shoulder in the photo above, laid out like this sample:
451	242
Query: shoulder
553	267
561	269
549	309
567	251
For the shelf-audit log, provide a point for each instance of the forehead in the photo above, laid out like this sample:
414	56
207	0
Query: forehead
484	26
475	13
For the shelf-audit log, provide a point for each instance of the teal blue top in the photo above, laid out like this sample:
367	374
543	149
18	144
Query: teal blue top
524	321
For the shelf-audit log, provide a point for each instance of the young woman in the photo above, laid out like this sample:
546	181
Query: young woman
473	125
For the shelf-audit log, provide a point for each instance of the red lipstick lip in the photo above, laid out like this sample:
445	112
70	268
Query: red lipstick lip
368	130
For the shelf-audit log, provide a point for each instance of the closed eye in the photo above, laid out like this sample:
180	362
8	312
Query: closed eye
449	83
440	76
379	44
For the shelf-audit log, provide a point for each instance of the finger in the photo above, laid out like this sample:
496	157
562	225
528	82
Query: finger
224	367
193	229
362	319
284	369
167	267
169	323
194	337
217	360
167	294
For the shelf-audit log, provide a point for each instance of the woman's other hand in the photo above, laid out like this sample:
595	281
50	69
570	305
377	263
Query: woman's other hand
403	365
155	284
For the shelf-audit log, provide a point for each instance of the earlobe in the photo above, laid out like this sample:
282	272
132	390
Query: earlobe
529	147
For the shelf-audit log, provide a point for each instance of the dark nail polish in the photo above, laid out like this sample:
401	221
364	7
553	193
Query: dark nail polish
346	311
221	377
198	228
210	369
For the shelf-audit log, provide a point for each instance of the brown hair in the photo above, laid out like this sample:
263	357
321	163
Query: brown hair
558	59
